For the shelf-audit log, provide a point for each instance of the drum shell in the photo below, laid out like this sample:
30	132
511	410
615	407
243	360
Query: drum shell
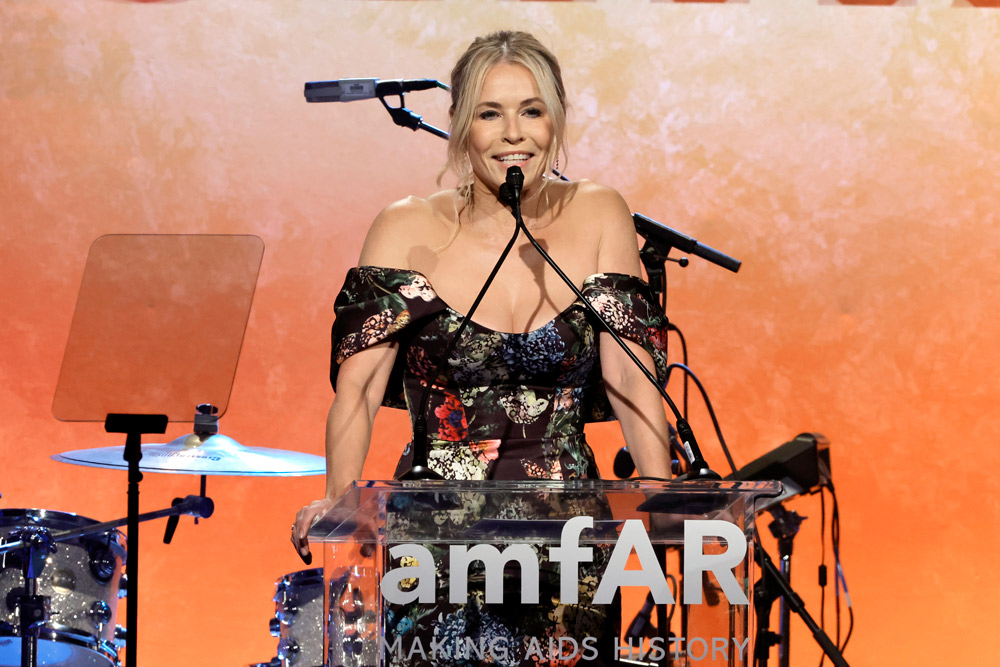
81	580
298	609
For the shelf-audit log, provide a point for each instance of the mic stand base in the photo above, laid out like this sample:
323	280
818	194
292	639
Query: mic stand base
419	472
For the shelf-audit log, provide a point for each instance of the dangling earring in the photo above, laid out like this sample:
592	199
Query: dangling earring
556	167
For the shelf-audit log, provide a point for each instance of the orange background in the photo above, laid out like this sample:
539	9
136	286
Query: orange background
848	155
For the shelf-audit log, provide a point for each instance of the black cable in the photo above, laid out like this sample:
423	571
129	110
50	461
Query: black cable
835	541
840	580
711	410
822	566
684	357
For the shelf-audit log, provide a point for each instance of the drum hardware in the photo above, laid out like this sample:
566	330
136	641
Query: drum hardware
137	291
100	557
297	620
203	452
288	650
32	608
351	623
100	613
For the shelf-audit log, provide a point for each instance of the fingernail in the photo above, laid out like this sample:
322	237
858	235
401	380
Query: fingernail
307	558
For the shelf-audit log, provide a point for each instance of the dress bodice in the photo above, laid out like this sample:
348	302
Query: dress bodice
502	404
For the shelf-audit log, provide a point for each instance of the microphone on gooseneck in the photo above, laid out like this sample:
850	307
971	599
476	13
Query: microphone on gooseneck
697	466
510	194
510	191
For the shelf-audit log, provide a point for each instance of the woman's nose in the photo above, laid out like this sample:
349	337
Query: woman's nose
512	131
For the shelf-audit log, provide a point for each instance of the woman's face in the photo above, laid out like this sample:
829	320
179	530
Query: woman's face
511	126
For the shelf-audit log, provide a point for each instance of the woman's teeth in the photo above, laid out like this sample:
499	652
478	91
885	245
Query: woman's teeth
514	157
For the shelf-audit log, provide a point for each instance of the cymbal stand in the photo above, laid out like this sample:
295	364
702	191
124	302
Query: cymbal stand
134	426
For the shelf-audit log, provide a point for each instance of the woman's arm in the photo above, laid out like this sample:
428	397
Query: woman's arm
636	402
361	380
360	386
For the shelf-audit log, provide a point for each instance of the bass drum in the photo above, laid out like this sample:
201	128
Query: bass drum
82	580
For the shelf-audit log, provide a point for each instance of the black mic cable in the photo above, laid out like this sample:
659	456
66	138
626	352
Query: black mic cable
698	466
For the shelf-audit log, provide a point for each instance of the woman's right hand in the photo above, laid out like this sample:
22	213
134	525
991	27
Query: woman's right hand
304	520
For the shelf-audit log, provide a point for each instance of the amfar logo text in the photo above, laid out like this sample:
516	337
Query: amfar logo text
569	554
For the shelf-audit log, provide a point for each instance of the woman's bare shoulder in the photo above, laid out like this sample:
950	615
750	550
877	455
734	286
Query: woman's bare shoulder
605	198
402	225
593	204
603	212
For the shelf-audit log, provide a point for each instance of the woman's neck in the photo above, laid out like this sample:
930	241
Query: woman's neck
487	209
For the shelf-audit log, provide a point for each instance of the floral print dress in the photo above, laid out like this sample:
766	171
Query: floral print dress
503	406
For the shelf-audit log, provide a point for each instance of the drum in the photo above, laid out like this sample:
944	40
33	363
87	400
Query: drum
298	614
298	620
82	580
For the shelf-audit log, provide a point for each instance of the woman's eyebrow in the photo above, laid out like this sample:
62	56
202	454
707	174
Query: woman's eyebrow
497	105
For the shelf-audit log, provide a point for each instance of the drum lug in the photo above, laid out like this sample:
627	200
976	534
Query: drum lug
287	614
275	626
288	649
100	614
121	636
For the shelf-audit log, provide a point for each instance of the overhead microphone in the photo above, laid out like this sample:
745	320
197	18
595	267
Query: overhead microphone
659	233
350	90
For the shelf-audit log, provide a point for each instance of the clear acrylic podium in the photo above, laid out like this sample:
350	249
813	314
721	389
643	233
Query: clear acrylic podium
677	567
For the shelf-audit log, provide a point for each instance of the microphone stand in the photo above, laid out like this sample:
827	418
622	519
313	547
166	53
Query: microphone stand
698	466
405	118
773	578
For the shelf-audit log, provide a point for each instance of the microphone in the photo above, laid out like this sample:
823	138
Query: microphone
510	190
657	232
349	90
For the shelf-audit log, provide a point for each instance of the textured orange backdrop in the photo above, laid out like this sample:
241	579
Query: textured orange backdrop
848	155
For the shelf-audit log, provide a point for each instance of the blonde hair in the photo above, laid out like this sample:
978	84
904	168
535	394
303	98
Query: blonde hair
504	46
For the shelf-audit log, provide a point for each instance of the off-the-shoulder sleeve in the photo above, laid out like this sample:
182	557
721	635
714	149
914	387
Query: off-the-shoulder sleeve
377	304
628	306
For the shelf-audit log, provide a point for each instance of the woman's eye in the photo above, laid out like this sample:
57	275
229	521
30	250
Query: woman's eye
488	115
533	112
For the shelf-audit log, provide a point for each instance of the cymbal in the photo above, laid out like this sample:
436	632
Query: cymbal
203	454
